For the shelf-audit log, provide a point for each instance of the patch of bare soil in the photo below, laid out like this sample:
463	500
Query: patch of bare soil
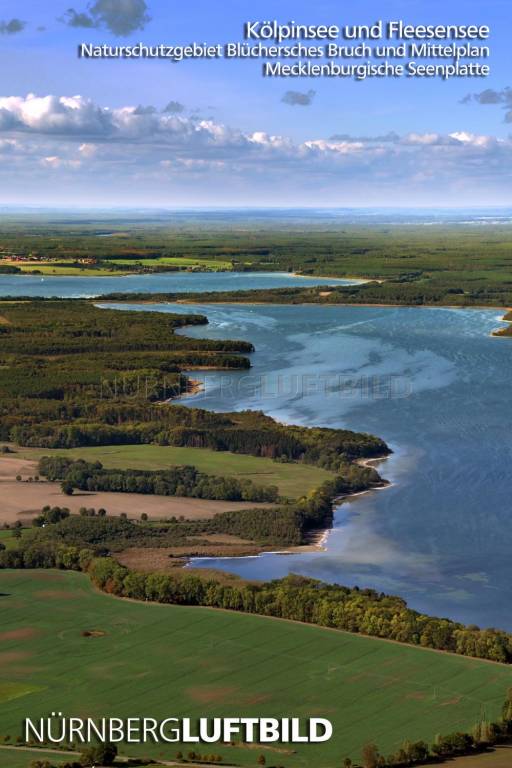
23	501
150	559
11	657
211	695
55	594
24	633
11	466
93	633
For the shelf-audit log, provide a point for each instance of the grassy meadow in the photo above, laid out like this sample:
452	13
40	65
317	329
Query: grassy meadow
162	660
293	480
19	758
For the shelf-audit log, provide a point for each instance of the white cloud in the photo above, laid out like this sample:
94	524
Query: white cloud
51	162
88	150
141	151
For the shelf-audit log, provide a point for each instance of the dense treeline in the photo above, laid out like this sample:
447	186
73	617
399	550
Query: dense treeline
175	481
409	290
298	598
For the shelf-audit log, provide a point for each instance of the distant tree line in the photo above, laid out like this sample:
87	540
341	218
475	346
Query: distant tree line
409	289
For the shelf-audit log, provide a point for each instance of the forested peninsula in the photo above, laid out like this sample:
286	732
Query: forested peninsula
397	292
73	376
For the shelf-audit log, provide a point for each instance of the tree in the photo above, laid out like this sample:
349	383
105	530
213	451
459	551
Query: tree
262	760
347	763
103	754
18	478
67	487
370	756
144	517
507	706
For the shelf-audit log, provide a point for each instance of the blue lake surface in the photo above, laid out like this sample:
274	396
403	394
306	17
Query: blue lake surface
163	282
432	382
436	386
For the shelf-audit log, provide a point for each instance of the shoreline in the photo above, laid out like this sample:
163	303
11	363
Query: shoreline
194	387
319	537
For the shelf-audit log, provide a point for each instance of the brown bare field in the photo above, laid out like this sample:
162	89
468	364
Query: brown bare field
22	501
10	467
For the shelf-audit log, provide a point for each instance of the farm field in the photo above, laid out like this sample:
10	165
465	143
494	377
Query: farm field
22	501
183	261
500	758
161	660
21	758
293	480
52	269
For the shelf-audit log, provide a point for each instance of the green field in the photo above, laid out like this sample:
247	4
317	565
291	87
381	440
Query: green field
181	261
19	758
8	540
161	660
293	480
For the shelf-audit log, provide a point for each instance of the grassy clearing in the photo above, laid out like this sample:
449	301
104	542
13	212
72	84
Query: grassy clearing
293	480
215	264
160	660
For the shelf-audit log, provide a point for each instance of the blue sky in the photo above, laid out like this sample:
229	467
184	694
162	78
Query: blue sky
235	142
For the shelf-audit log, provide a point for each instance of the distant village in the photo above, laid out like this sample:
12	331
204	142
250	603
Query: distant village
34	258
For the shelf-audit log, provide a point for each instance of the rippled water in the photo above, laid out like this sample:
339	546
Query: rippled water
436	386
163	282
432	382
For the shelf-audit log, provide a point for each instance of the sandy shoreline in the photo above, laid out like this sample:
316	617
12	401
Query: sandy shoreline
194	387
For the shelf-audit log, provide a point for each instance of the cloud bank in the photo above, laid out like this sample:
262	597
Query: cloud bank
71	146
121	17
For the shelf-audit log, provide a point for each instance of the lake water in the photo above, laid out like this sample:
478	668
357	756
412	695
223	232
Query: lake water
436	386
431	382
164	282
